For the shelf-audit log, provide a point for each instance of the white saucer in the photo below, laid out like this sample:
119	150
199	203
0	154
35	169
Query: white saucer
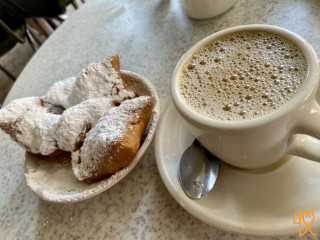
255	202
53	180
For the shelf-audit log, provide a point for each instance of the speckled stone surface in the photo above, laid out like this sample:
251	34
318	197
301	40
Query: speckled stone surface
150	37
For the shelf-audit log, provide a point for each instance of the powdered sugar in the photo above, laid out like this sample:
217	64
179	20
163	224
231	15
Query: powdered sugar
79	119
31	125
59	92
87	189
143	87
54	180
100	140
98	80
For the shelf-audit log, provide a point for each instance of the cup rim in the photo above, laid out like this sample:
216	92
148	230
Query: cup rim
310	82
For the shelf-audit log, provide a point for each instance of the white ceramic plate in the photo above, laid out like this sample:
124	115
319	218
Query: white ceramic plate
53	179
255	202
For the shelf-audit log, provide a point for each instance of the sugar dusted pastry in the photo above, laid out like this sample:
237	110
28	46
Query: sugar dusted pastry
59	92
114	141
102	79
76	121
31	125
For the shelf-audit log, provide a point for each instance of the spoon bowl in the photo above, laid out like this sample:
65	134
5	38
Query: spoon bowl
198	170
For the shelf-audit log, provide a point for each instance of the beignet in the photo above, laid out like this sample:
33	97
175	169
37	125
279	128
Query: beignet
31	125
101	79
114	141
59	92
76	121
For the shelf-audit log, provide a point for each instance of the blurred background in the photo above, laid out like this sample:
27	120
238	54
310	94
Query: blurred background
17	58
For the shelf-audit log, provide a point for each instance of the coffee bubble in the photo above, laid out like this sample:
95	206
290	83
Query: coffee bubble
242	112
233	77
191	66
242	76
227	107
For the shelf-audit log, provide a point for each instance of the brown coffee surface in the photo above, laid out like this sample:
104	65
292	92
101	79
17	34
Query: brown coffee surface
242	76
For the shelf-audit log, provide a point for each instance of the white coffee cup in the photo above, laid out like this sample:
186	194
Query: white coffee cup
263	141
202	9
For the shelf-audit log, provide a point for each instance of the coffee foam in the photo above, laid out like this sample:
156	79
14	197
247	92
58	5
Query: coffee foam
242	76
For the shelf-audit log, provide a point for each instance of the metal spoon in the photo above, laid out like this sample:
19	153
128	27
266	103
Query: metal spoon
198	170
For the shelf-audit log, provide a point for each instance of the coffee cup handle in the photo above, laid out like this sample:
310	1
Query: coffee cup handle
305	140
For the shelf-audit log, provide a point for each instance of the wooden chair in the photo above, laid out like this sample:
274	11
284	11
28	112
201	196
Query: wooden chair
19	31
16	33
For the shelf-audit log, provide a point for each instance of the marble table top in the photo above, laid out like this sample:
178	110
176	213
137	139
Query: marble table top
150	37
